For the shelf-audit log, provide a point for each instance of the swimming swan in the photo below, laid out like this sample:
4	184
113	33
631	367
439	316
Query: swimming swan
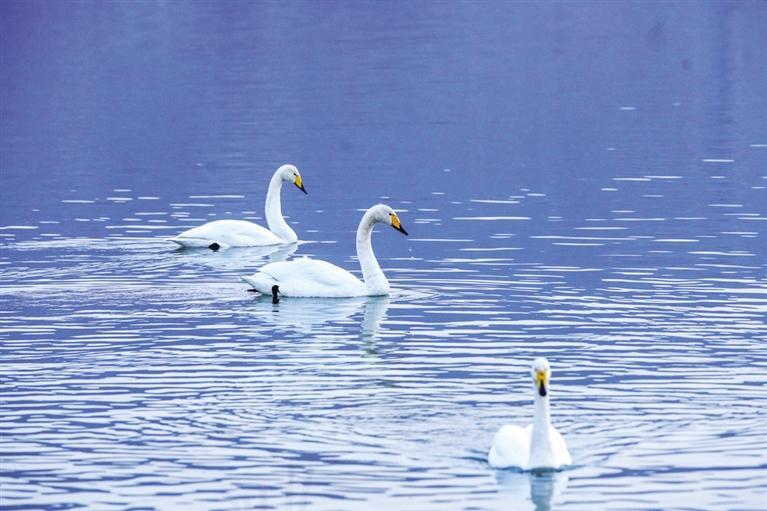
539	445
241	233
313	278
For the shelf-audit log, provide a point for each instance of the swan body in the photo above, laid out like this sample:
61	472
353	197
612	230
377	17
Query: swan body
241	233
307	277
228	233
537	446
314	278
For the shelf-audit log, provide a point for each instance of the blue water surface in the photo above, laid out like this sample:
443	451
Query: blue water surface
583	181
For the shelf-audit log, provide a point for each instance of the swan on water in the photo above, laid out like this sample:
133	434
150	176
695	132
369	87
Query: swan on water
539	445
314	278
241	233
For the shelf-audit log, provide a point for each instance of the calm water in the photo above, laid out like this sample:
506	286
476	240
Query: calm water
584	182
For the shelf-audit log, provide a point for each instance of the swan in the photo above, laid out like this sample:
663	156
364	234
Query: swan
241	233
537	446
314	278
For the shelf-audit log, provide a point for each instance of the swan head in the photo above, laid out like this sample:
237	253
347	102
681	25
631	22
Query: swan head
291	174
386	215
541	374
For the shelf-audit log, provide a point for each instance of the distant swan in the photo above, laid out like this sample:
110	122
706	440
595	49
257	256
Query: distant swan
241	233
539	445
314	278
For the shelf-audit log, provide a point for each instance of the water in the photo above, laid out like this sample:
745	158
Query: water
584	182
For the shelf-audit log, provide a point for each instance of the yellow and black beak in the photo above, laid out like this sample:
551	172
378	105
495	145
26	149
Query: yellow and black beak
396	224
300	184
541	382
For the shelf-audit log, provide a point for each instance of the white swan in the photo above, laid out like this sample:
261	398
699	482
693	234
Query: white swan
241	233
539	445
313	278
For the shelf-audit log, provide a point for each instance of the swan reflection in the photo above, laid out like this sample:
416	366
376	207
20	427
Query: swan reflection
306	314
237	258
544	486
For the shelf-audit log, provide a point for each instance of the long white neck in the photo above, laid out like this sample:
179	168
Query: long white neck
274	218
541	451
542	416
371	273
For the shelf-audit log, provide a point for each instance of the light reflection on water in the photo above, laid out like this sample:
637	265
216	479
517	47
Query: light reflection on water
658	372
615	226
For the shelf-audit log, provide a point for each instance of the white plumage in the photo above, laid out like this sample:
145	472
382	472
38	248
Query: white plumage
308	278
241	233
314	278
227	233
539	445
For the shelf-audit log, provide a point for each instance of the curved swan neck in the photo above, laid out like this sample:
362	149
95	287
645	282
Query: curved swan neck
374	278
273	210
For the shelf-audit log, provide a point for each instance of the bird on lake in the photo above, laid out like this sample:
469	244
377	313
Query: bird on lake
315	278
539	445
241	233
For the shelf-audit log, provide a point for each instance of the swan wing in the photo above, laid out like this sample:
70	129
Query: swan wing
307	278
227	233
559	448
511	447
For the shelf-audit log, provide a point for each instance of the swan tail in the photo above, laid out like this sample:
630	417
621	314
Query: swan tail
261	282
197	243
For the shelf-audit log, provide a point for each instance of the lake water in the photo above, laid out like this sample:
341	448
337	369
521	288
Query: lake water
581	181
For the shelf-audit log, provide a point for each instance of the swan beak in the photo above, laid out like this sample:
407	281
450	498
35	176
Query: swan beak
540	383
300	184
397	225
